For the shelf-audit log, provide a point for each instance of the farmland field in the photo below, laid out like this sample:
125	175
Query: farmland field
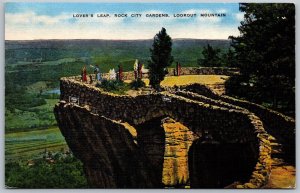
26	145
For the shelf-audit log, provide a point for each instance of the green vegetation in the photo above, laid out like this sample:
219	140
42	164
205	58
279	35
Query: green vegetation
216	57
265	53
135	84
120	87
37	165
161	58
59	170
114	86
28	102
25	145
229	58
24	118
211	57
106	53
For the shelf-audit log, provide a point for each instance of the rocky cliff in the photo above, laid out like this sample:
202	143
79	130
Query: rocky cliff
107	148
167	139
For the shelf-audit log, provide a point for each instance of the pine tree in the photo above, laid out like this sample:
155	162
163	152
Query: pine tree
265	52
161	58
211	57
229	58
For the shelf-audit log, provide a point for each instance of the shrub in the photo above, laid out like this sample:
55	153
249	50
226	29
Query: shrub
135	84
114	86
110	85
65	172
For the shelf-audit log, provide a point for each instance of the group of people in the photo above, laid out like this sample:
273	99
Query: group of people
98	75
138	67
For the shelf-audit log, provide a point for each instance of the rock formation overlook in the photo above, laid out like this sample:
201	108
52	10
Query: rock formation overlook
136	142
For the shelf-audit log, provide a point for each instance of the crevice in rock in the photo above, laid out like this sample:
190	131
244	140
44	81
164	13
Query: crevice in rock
217	165
151	141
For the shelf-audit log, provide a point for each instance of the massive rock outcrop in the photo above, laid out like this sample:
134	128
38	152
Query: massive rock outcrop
107	148
127	142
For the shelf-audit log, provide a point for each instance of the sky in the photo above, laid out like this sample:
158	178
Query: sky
29	21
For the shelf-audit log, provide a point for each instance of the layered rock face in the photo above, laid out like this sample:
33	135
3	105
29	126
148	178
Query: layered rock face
107	149
178	142
127	142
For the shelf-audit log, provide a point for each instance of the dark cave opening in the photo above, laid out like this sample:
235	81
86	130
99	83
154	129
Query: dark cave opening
217	165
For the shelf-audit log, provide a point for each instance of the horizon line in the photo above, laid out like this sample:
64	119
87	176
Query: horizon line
114	39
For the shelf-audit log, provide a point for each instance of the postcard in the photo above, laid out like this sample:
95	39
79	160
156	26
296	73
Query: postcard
150	95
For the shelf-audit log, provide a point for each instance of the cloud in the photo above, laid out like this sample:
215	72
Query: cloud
221	11
141	32
239	16
31	18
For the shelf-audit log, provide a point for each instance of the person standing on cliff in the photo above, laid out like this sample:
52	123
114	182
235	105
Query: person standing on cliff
178	68
120	72
97	72
135	68
91	79
83	74
140	75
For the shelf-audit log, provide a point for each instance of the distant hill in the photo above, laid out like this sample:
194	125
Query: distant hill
96	43
108	52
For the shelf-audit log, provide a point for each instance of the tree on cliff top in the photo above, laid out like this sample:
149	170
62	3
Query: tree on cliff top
160	58
265	53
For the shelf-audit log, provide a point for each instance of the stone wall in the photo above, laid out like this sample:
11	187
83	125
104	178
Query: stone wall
184	71
205	71
204	99
278	125
206	117
196	115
